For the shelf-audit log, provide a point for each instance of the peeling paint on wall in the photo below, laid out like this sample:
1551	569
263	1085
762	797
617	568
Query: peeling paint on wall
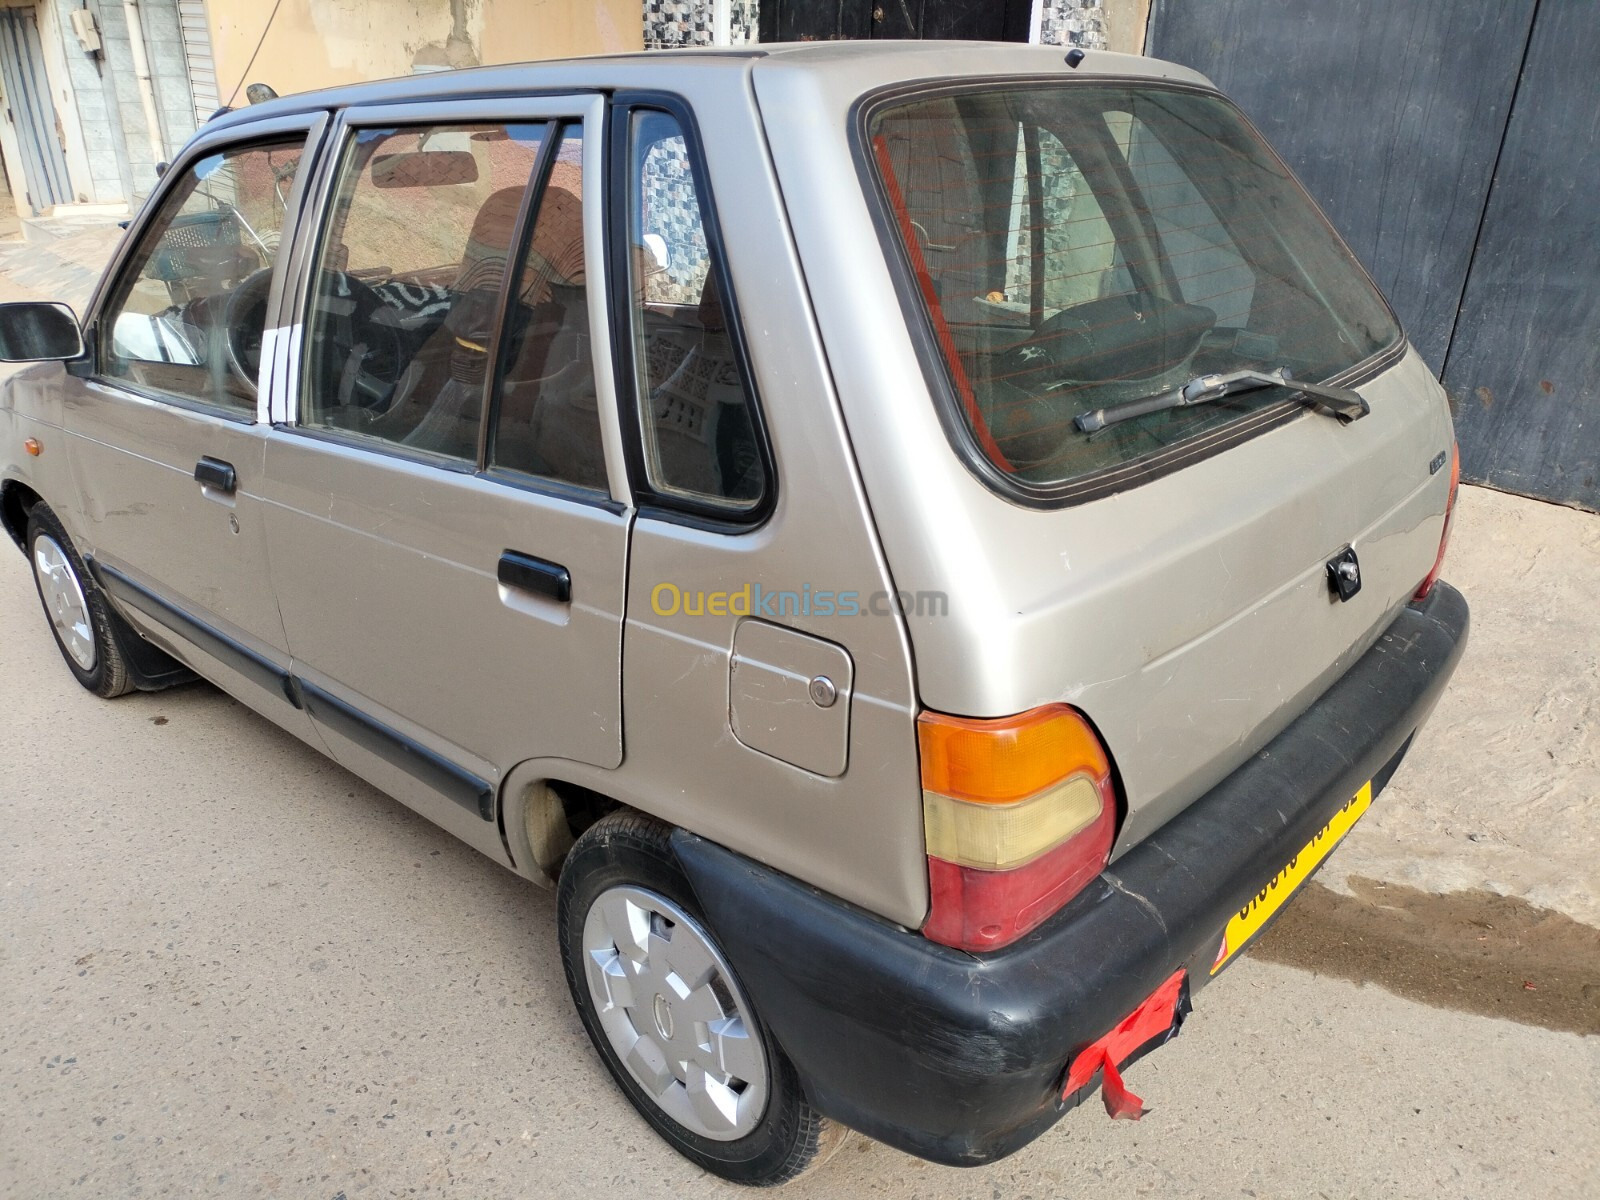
460	49
323	43
355	32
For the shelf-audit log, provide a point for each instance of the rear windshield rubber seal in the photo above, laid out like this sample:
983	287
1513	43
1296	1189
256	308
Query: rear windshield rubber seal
1110	480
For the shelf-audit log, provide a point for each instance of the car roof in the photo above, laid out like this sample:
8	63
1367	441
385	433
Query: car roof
853	66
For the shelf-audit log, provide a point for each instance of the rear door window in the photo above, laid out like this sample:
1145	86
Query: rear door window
406	287
1077	246
546	420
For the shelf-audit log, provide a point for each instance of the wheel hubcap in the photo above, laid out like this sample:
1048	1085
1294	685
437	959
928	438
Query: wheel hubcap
670	1009
63	601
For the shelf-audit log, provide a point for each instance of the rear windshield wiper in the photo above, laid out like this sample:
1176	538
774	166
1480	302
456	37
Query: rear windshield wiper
1203	389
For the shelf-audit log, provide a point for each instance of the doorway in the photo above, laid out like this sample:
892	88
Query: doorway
32	115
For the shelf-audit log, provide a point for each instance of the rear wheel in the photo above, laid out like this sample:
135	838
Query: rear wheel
75	607
668	1016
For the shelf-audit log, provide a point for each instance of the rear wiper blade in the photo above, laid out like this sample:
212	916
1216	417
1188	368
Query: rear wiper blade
1203	389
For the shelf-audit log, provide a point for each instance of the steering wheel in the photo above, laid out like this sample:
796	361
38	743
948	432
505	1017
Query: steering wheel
358	357
1112	348
244	320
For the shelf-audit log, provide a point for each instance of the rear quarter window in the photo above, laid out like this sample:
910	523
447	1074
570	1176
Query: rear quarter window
1073	246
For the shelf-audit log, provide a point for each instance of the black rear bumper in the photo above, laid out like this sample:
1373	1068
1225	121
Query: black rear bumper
960	1058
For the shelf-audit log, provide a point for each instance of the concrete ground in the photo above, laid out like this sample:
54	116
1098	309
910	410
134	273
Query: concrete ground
1503	790
10	222
229	968
62	262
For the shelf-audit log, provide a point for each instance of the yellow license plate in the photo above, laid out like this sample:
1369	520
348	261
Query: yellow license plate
1247	922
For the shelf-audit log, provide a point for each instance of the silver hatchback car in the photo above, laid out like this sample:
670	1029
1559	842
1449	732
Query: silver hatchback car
926	546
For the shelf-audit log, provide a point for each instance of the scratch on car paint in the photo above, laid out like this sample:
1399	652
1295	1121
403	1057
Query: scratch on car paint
1136	898
1175	861
706	659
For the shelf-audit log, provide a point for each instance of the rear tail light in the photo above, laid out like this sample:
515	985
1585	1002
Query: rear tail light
1449	517
1019	815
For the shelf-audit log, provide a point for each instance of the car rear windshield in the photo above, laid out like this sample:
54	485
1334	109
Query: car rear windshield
1078	246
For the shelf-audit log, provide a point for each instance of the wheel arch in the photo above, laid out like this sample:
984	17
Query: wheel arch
16	502
545	806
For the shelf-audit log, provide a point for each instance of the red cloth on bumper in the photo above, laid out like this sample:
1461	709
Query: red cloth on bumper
1152	1019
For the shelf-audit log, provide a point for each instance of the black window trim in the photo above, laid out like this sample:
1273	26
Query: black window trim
651	502
312	126
1120	477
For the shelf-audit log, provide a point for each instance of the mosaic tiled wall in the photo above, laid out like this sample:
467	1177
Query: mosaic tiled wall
672	214
1073	23
670	210
669	23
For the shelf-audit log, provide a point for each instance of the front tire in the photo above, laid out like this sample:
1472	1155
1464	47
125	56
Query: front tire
76	609
668	1016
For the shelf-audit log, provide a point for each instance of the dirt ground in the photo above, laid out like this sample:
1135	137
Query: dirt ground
228	968
1501	792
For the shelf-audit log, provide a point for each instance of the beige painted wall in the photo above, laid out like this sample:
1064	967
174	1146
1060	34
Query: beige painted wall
320	43
1125	25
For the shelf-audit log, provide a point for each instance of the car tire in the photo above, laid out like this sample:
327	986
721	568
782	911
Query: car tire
75	608
644	971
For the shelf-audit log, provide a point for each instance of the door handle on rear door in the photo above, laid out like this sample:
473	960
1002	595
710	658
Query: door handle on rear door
530	574
214	473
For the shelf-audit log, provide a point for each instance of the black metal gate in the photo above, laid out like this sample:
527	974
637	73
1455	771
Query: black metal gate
1456	144
822	20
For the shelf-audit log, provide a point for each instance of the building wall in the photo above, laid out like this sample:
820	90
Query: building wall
322	43
169	65
109	155
319	43
87	134
1126	23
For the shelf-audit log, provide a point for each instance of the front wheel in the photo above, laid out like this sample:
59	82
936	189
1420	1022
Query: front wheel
668	1016
78	615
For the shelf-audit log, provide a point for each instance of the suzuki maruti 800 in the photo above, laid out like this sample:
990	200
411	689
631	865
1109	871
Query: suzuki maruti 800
924	546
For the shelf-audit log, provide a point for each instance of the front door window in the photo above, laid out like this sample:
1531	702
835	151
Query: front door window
188	317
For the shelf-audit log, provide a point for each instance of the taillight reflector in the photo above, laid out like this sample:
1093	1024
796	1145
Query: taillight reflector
1019	815
1007	759
998	837
1449	518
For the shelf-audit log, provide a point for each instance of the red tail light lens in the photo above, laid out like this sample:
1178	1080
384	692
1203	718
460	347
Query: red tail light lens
1449	518
1019	814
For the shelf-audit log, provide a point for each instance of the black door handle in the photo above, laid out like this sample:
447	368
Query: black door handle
213	472
530	574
